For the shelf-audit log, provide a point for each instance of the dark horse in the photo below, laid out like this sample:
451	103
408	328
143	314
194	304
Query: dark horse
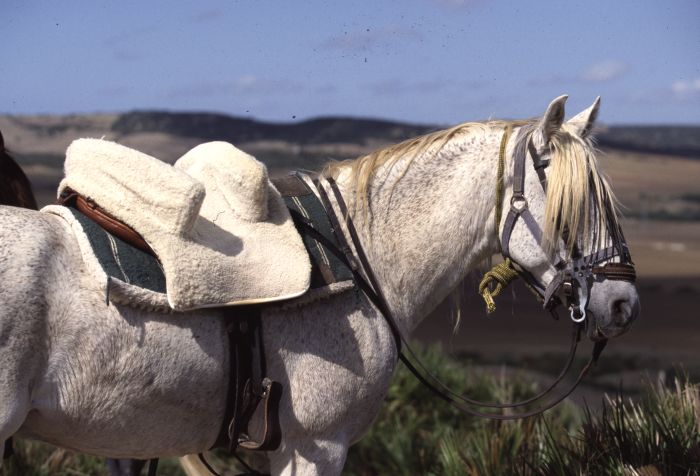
16	191
15	188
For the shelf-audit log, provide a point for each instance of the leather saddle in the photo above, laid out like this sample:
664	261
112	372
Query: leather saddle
218	227
84	190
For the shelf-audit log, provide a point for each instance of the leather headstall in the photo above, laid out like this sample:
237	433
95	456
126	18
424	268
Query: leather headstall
574	276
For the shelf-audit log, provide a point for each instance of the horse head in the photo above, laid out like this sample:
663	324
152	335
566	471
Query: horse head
560	226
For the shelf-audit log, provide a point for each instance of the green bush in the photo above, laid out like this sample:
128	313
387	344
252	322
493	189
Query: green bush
419	434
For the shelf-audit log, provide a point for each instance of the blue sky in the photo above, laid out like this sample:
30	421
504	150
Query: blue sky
424	61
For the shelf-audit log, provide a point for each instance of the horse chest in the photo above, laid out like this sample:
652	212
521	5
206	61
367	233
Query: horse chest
335	360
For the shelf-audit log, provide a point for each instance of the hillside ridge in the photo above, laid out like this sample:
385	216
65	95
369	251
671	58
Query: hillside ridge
205	126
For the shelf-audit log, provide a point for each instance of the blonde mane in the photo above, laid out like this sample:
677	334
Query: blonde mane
579	199
363	169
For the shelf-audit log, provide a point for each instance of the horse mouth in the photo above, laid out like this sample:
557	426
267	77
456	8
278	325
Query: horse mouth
596	332
593	329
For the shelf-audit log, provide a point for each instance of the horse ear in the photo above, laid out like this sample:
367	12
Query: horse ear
583	122
553	118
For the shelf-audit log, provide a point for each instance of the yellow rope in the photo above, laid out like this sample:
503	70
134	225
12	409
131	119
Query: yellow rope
499	276
499	176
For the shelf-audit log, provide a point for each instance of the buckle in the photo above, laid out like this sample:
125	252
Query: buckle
568	289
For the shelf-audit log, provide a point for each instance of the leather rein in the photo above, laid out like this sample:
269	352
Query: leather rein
573	274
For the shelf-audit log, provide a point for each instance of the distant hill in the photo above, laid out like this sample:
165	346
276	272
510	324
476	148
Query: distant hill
668	140
207	126
650	183
167	135
671	140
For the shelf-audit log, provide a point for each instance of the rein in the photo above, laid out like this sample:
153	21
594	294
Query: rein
576	272
371	289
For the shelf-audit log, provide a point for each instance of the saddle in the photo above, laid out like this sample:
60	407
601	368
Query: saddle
218	212
217	226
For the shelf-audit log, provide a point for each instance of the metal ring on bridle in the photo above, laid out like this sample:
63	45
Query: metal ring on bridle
579	319
518	199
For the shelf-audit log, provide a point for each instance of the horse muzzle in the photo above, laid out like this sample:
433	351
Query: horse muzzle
613	307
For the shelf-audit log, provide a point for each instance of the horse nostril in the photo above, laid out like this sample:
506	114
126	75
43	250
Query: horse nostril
621	311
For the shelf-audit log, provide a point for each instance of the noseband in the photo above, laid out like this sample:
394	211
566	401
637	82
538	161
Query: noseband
574	276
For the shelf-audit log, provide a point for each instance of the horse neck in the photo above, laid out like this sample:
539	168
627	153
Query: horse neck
431	221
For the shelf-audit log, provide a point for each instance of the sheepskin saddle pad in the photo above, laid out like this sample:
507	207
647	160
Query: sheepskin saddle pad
220	230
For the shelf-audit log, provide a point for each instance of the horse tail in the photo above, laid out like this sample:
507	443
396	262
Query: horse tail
15	188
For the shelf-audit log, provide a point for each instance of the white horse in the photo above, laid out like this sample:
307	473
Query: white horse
124	383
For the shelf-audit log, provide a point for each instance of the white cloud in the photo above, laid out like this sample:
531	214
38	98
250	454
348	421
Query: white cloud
398	86
208	15
686	88
455	3
605	71
246	81
246	84
368	38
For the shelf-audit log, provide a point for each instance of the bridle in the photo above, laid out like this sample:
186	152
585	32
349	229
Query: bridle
576	273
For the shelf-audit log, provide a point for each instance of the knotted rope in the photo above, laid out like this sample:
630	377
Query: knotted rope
495	281
503	273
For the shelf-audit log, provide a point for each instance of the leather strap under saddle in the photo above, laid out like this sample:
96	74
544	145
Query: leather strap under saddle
97	214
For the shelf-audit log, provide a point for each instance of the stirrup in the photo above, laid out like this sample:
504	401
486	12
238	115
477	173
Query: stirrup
272	434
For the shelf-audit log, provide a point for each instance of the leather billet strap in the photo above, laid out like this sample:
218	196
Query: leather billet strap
248	386
518	203
519	207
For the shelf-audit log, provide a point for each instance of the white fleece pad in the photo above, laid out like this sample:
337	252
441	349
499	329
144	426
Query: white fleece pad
218	226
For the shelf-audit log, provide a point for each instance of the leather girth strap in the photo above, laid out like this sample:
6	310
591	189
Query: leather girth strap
248	388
